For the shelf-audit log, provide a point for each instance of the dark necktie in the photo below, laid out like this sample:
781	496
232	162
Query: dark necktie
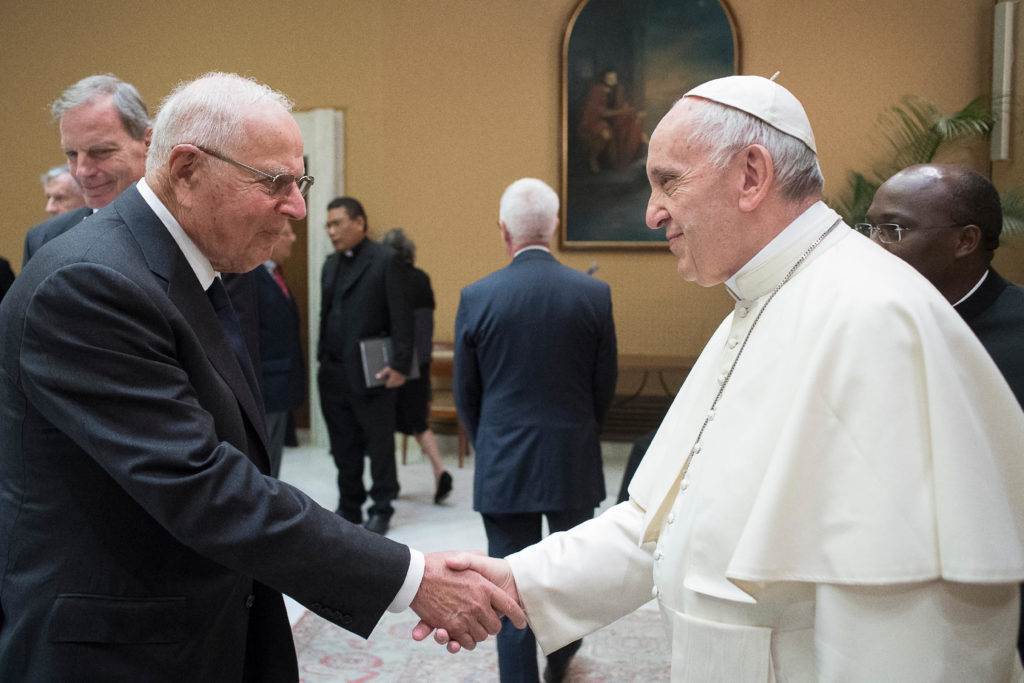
229	321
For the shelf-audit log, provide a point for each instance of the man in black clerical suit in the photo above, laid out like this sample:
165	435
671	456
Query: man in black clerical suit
945	220
141	536
363	297
104	132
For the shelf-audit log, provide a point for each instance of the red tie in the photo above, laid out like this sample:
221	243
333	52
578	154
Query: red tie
280	281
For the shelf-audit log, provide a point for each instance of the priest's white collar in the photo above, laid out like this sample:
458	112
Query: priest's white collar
201	265
761	273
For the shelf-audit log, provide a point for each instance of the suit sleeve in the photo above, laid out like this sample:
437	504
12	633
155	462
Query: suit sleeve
467	383
606	368
113	366
574	582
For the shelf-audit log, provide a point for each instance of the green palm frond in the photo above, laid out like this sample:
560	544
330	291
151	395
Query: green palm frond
1013	215
857	199
916	130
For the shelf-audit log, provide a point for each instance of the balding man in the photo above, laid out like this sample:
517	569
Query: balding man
834	494
104	131
142	536
945	220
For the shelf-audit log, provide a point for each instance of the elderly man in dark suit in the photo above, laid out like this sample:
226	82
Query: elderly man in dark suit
104	131
535	370
363	298
141	537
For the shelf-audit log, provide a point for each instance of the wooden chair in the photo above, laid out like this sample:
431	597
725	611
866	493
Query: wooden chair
442	408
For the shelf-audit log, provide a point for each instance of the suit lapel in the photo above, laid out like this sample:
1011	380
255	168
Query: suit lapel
166	261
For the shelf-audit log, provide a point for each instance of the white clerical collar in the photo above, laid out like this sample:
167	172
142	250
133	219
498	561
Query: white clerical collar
799	230
973	289
539	247
201	265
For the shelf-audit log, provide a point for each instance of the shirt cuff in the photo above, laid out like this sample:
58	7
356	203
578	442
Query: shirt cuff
411	585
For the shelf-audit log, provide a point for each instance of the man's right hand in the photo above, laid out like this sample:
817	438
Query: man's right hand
495	570
464	606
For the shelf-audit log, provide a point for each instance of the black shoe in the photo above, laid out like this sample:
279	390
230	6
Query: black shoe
560	659
377	523
354	516
444	487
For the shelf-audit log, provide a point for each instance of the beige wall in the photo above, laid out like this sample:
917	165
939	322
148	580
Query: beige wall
446	102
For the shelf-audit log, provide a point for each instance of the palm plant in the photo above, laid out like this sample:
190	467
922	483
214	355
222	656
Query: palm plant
915	131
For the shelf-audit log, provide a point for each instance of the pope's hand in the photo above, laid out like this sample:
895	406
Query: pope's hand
463	605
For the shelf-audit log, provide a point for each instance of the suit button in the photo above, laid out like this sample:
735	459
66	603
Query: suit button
345	620
250	600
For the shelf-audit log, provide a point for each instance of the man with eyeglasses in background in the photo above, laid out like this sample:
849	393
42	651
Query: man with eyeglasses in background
141	534
945	221
105	132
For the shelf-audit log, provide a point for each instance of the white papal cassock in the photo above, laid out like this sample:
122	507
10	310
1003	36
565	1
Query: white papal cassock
854	510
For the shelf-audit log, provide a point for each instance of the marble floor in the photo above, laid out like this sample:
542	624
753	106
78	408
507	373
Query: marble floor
417	521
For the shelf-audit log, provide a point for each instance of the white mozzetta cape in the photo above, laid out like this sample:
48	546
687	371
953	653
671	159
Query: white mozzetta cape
865	438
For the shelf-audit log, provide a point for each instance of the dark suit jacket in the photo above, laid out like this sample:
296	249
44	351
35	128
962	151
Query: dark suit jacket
282	368
139	536
995	312
372	304
50	228
535	370
6	277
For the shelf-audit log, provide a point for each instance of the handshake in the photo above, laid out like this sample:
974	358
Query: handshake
462	598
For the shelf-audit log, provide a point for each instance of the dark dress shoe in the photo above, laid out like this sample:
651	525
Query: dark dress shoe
444	487
377	523
354	516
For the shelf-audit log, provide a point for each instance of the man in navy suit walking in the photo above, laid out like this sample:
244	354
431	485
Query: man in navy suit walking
535	370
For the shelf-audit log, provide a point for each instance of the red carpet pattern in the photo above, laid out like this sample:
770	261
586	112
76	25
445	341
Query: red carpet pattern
632	650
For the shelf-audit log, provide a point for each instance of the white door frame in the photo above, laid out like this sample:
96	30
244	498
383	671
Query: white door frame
324	144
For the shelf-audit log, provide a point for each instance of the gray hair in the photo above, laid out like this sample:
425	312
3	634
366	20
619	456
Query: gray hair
529	210
209	111
127	100
400	242
54	172
726	131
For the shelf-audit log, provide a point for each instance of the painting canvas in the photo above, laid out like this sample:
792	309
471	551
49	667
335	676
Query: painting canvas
625	63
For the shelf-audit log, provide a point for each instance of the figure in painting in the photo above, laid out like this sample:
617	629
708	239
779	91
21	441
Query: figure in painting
611	129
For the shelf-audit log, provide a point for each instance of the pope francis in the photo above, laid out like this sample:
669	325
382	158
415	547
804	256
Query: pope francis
835	493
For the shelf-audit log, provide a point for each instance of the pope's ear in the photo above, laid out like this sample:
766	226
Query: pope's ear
758	175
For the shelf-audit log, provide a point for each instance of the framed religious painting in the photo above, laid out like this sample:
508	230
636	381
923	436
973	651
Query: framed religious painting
624	64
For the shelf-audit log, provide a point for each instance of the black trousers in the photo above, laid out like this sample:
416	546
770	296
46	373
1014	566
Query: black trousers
360	426
506	534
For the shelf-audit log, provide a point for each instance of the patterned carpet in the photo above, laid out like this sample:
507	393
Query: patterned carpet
632	650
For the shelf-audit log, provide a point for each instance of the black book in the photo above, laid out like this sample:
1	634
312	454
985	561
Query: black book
377	353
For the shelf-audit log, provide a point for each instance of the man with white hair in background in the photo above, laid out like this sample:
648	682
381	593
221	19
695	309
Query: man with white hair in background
834	494
104	132
142	537
61	190
535	369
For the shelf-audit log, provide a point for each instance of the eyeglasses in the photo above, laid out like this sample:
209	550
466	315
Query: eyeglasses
278	185
891	233
888	233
